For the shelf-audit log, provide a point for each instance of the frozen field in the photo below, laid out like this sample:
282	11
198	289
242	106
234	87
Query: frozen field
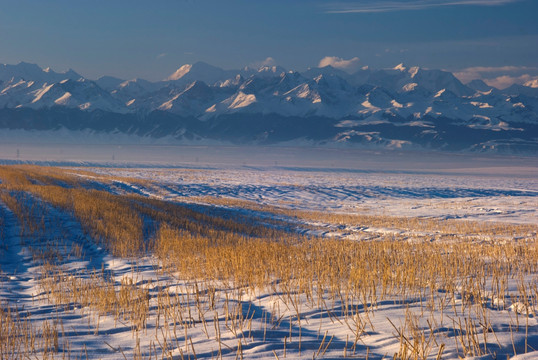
460	186
409	264
511	199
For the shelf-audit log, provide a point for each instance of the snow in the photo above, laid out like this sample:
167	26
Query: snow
396	104
13	86
85	106
532	83
429	110
348	123
400	67
369	107
203	91
413	71
418	123
39	94
503	189
439	93
438	194
64	99
169	104
211	109
242	100
409	87
182	71
481	105
397	144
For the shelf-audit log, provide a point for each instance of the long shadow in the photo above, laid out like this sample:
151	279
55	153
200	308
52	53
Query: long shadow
13	261
275	333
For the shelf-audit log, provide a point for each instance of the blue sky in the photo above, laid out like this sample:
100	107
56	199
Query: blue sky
129	38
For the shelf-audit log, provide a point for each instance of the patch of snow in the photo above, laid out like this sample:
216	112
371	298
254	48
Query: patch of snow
482	117
400	67
370	108
439	93
41	92
179	73
396	104
409	87
168	104
12	86
413	71
398	144
481	105
64	99
418	124
532	83
85	106
242	100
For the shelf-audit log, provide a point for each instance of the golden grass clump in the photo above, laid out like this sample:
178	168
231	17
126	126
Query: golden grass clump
124	299
104	216
20	338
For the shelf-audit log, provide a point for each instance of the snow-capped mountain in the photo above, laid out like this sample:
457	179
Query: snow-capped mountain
398	107
31	72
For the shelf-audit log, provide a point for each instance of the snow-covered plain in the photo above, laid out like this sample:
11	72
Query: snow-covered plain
270	325
472	197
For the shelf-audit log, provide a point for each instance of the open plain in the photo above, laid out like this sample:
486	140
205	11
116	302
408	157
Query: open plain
268	262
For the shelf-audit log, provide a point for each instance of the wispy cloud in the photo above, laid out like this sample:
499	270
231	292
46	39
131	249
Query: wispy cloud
502	82
339	63
378	6
269	61
499	77
160	56
490	69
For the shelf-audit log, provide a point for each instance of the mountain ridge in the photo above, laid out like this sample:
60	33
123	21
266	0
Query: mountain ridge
402	107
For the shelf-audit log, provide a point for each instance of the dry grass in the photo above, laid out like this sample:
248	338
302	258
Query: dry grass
463	280
107	219
125	300
19	338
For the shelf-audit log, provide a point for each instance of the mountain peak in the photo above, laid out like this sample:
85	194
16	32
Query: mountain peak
479	85
28	65
277	70
72	72
383	101
197	84
413	71
187	68
199	71
28	68
179	73
400	67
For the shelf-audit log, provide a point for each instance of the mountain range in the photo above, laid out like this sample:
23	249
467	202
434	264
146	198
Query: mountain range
402	107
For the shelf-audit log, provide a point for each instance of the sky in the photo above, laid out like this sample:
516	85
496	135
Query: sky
495	40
